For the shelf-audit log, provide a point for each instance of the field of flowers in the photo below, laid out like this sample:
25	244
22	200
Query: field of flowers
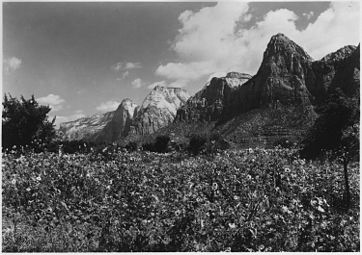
245	200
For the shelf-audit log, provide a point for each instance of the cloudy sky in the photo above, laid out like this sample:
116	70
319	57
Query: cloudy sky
83	58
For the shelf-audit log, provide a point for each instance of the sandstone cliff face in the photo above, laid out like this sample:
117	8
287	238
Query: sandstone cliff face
85	128
158	109
279	101
208	104
281	79
326	69
120	124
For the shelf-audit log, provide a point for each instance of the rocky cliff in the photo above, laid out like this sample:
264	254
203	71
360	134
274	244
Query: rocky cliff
158	109
120	124
208	104
279	101
85	128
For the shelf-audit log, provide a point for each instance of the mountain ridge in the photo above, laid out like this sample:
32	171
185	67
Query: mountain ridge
278	102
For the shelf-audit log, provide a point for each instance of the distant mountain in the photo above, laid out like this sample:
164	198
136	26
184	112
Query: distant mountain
157	110
85	128
105	127
120	124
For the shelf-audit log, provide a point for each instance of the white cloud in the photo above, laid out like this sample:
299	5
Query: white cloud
212	40
54	101
137	83
12	64
158	83
108	106
123	66
76	115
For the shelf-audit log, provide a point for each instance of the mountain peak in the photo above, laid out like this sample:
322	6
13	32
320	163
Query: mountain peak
238	75
340	54
281	44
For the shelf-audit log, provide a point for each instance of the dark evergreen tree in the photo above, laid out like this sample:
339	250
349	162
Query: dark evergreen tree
335	134
24	121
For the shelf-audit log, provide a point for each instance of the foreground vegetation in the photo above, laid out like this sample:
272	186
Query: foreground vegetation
245	200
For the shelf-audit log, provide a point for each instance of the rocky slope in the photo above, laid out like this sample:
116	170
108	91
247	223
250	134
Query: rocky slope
279	101
120	124
158	109
208	104
85	128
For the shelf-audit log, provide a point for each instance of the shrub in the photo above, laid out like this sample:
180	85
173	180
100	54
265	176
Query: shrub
131	146
148	147
161	144
197	143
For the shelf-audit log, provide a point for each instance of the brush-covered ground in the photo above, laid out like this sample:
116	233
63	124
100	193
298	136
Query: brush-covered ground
235	200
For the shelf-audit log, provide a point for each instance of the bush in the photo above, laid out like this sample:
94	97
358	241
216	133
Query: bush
148	147
197	143
131	146
161	144
283	143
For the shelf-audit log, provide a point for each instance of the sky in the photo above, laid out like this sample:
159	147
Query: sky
85	58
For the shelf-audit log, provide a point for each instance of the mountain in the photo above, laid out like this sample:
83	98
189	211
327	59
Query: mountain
85	128
278	103
339	69
208	104
120	124
157	110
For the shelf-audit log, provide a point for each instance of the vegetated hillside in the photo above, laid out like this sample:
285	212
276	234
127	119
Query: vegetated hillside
244	200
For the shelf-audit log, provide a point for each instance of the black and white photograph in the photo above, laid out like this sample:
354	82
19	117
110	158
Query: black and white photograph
228	126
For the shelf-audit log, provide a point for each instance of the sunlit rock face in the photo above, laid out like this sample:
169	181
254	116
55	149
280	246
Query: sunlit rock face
85	128
158	109
100	127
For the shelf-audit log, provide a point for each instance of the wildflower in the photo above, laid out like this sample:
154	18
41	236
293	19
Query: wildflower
28	189
177	213
287	170
248	177
13	181
285	209
232	225
38	178
214	186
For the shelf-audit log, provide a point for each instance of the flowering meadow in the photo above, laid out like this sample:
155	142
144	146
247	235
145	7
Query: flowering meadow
233	200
